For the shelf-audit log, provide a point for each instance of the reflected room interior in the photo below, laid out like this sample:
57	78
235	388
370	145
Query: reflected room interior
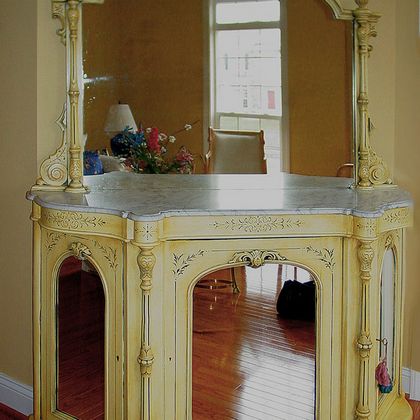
243	65
254	348
80	335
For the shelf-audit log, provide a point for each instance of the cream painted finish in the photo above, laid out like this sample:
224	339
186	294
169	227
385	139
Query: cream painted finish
160	250
161	259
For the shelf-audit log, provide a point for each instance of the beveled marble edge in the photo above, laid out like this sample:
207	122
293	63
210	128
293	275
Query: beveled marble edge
200	212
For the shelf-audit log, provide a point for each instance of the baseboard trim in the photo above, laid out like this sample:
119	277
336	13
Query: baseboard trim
411	383
16	395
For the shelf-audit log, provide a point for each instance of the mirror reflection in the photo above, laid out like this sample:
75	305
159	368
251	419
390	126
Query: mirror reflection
80	335
253	350
387	311
182	67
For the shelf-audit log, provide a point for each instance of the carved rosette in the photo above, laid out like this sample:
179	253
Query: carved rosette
364	342
365	227
80	251
256	258
146	260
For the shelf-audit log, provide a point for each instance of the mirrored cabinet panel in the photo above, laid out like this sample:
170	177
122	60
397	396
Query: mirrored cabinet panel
80	341
387	311
254	344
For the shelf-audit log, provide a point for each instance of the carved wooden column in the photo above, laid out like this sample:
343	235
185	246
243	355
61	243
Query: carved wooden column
146	237
364	341
75	164
371	169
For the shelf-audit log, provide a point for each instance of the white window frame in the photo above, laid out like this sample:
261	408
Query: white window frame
213	117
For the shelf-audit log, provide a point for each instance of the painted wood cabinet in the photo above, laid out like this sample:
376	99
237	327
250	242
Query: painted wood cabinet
151	238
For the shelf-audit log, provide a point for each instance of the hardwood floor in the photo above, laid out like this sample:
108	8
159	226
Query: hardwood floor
247	362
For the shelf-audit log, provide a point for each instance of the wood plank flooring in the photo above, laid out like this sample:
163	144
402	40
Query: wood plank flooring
247	362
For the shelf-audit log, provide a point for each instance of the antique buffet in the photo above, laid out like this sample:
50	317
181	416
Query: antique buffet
151	238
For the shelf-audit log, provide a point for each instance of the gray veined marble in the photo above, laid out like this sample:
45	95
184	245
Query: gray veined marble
151	197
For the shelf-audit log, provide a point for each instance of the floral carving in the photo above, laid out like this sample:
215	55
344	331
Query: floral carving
258	224
59	12
366	226
181	262
325	255
147	232
80	251
256	258
67	220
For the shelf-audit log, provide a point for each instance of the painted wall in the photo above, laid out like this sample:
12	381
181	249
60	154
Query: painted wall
18	142
33	86
407	159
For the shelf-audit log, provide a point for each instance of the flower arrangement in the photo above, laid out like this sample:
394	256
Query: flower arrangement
145	151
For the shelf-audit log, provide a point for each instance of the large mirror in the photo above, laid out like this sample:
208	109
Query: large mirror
281	66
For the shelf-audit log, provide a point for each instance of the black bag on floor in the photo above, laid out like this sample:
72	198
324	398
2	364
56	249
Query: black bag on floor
297	300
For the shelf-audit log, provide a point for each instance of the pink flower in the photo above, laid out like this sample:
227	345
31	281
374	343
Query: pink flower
183	156
153	141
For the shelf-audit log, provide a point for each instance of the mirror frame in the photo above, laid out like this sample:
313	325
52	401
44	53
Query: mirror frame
63	170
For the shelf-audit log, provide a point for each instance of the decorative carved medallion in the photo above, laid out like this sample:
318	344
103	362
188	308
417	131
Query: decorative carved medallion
71	220
256	258
325	255
181	262
258	224
80	251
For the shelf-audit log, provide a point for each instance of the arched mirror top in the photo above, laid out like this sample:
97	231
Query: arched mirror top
63	170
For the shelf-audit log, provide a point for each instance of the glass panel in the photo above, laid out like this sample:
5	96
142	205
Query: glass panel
228	123
387	310
249	11
80	347
254	350
252	124
248	71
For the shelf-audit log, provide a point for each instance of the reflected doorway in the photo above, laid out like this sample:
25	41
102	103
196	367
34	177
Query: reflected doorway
80	347
248	360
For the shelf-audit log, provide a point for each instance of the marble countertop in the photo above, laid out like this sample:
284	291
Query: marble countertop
152	197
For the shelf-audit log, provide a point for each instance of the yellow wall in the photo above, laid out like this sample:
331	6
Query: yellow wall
18	142
407	158
34	92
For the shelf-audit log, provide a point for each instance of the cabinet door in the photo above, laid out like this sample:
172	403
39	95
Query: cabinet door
81	327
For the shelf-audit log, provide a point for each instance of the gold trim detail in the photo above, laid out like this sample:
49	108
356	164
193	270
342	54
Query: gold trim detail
53	170
325	255
59	12
181	262
80	251
256	258
364	343
71	220
146	260
258	224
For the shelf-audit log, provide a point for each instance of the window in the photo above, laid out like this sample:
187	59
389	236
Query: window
246	70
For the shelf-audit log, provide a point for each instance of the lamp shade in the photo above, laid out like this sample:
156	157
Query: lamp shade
119	117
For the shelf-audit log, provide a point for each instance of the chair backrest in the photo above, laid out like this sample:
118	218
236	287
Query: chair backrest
235	152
